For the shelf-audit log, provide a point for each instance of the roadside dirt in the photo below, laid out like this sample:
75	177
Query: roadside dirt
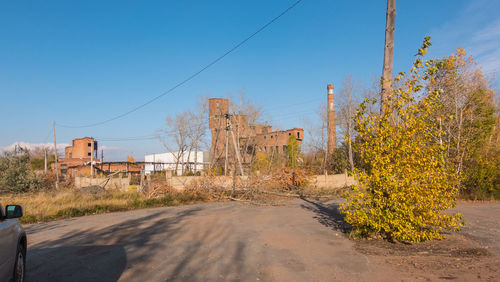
454	258
464	256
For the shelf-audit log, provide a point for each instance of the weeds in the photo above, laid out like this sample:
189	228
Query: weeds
47	206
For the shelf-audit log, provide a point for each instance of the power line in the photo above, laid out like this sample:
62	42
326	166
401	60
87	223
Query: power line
191	76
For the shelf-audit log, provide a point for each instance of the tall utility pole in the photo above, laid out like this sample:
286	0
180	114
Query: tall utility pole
390	23
227	143
92	159
55	152
45	160
237	152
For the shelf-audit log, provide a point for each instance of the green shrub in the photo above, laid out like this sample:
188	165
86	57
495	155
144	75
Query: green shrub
16	174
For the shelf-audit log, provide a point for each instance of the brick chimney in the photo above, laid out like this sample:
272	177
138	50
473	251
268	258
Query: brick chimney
332	132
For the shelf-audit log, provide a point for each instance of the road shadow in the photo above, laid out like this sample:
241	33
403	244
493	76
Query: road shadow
162	245
76	263
327	214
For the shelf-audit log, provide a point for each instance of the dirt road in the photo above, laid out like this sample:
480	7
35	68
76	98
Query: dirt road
301	241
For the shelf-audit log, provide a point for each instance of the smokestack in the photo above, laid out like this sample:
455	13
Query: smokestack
332	132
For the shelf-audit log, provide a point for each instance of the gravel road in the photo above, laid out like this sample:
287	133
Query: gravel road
300	241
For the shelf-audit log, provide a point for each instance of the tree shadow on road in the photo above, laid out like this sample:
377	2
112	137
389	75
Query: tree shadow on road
76	263
327	214
160	245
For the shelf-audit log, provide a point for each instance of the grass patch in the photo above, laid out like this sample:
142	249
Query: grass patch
51	205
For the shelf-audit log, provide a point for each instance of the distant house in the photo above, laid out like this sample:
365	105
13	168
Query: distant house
184	162
78	157
79	153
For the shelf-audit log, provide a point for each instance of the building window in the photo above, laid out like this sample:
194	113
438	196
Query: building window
284	148
89	144
289	134
265	148
271	137
64	165
88	154
298	135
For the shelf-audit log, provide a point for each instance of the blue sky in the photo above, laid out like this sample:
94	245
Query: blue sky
87	61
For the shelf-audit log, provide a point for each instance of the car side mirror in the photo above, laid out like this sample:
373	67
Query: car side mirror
13	211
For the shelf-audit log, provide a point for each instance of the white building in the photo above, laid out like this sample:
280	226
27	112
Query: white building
168	161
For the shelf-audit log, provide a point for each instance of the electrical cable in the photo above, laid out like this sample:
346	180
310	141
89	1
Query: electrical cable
190	77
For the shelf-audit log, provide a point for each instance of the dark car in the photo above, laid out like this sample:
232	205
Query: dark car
12	244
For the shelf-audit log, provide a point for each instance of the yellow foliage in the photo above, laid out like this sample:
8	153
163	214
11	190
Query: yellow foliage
406	186
130	159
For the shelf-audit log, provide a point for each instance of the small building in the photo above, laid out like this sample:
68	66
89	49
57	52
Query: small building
81	152
106	168
180	162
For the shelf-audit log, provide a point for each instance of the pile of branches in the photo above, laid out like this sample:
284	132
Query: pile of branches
272	189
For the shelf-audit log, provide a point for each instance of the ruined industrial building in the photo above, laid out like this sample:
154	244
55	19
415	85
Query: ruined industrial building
80	159
230	131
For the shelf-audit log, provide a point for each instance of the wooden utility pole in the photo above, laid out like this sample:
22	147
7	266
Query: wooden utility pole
390	23
237	151
45	160
227	143
55	152
92	159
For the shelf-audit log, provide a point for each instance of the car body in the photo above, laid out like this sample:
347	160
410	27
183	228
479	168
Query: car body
12	244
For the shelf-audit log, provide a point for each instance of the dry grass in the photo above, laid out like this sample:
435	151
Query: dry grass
51	205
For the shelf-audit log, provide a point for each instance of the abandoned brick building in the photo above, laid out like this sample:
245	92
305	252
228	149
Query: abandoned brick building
77	158
249	137
79	153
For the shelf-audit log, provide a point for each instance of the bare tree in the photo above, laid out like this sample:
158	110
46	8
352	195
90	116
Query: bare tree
176	130
185	133
316	130
348	100
198	132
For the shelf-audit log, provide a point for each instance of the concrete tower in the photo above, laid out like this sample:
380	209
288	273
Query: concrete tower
332	132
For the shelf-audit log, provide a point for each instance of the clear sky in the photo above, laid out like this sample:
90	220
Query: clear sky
80	62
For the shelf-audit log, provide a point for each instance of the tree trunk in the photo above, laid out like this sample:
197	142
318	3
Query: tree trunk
349	144
349	131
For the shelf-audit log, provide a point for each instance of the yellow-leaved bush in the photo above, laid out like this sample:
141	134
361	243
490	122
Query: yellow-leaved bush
405	186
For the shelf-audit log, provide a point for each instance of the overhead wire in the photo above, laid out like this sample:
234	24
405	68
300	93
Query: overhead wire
172	132
188	78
